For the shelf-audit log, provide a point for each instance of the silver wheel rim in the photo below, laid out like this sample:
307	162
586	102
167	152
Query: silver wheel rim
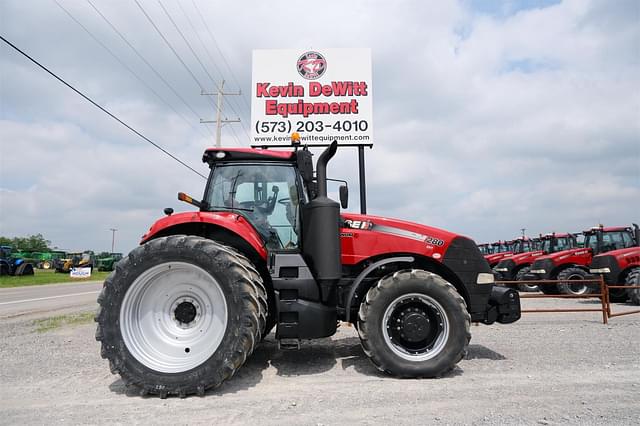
576	287
173	317
435	309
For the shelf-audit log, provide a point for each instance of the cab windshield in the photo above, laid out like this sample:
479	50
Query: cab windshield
267	195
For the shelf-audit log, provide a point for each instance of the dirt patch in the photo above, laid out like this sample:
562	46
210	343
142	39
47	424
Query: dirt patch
545	369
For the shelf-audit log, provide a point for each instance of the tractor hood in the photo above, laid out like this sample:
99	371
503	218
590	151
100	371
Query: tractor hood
365	236
561	256
497	257
526	257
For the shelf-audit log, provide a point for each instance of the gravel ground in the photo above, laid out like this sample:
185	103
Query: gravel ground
545	369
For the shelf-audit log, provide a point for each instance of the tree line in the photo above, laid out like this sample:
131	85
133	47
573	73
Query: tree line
30	243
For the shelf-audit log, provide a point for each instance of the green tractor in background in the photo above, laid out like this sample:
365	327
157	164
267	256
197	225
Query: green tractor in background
46	259
108	262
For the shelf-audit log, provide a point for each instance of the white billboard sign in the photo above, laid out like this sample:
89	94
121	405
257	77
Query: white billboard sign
322	94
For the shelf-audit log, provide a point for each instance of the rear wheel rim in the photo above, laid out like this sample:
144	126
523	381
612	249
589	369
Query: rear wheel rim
173	317
415	327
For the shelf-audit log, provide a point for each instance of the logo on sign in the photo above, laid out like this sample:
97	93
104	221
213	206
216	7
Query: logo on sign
312	65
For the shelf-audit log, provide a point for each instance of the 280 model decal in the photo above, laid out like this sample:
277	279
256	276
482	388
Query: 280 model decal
435	241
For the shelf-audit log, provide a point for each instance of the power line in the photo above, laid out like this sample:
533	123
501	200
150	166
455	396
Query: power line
197	59
101	108
206	50
140	79
218	48
143	59
186	67
169	45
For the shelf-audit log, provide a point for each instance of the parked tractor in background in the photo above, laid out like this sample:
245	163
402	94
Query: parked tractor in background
108	263
498	251
572	265
516	267
46	259
619	267
10	265
267	248
75	260
506	249
485	249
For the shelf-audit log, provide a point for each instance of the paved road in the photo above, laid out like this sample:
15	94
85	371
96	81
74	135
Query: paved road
42	300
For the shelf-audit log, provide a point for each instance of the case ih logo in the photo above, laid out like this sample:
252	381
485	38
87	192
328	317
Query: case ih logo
312	65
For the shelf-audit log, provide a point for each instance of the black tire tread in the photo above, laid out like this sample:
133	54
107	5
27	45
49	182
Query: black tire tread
252	293
383	285
633	278
520	277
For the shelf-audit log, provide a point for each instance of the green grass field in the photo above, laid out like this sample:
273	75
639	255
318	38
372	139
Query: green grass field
43	276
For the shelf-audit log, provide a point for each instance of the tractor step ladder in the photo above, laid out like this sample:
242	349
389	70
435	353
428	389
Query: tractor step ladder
289	344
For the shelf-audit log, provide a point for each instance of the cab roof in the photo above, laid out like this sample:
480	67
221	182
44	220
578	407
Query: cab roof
606	229
212	155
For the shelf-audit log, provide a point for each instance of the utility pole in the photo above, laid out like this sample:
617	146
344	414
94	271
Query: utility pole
219	121
523	229
113	238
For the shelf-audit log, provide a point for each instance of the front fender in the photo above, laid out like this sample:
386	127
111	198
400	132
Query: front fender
232	222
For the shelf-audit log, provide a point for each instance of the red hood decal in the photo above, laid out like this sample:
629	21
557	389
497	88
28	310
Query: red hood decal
365	236
524	257
559	256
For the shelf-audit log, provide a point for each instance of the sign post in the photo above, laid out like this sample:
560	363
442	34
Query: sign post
323	94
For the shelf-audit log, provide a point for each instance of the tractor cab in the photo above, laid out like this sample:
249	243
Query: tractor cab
600	239
553	242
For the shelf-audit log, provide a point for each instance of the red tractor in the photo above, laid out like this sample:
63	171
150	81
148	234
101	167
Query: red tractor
516	267
267	247
498	251
619	267
506	249
573	265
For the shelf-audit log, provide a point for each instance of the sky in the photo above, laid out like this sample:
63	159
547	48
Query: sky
488	116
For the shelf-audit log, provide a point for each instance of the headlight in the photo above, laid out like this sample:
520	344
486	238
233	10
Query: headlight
600	271
484	278
501	269
538	271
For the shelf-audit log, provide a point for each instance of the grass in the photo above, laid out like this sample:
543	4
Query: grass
43	276
48	324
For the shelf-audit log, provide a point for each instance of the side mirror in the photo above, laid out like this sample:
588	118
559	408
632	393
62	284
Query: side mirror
344	196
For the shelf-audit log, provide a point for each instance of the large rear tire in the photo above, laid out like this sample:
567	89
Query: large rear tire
413	323
180	315
24	269
633	278
570	286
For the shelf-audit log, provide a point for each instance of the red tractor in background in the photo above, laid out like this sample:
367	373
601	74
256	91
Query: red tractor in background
572	265
498	251
267	248
516	267
619	267
506	249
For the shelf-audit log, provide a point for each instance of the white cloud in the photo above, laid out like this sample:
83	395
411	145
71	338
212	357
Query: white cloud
484	122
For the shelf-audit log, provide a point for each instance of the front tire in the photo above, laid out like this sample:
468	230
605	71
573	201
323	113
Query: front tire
413	323
570	286
633	278
180	315
520	277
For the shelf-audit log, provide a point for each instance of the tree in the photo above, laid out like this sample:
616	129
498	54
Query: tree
30	243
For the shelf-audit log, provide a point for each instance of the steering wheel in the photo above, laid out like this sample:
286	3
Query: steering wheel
284	201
